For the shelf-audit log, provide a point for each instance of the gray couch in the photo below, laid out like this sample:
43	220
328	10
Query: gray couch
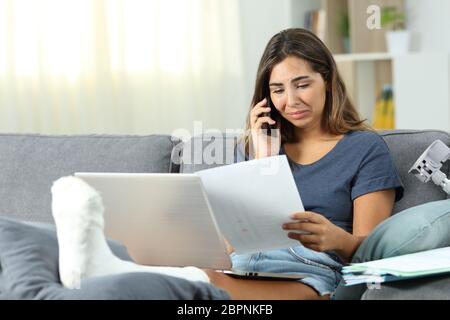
30	163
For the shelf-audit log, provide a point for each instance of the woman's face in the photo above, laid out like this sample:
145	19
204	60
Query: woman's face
298	92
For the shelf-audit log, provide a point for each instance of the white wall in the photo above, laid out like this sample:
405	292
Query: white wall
422	104
429	20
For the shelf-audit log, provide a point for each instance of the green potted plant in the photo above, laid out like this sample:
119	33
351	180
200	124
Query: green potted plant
344	30
397	37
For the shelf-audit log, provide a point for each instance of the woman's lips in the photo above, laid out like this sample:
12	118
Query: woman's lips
299	114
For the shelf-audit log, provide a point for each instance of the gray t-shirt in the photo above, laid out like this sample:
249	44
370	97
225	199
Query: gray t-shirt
360	163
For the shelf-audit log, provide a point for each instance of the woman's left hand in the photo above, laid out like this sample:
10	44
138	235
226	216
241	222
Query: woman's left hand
322	234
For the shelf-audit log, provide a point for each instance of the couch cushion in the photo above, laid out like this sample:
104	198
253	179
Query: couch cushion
29	259
30	164
423	227
406	146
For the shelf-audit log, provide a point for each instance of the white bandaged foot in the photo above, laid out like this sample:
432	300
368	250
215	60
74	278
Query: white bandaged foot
83	251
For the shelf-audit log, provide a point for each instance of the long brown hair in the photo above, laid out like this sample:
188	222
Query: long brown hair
339	115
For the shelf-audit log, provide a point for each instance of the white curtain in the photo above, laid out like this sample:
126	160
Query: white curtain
120	66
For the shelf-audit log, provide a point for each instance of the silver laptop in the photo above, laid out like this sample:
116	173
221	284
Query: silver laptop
165	220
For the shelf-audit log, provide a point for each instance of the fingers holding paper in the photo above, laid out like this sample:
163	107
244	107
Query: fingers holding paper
314	231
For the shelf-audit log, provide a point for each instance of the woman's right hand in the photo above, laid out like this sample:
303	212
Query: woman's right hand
263	145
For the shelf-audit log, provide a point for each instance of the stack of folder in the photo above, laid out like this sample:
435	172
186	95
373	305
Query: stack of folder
415	265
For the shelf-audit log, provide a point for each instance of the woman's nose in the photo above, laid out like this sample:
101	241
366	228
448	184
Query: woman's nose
291	98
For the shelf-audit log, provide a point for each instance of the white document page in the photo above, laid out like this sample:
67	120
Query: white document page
251	200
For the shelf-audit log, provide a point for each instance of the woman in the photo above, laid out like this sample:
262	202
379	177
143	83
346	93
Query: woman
343	170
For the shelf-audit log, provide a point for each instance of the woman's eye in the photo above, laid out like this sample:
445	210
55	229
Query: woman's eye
303	86
278	91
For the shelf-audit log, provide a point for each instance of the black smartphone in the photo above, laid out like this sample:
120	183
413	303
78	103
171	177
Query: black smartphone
273	114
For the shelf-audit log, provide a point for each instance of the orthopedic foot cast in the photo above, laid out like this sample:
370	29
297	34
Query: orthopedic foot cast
83	251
